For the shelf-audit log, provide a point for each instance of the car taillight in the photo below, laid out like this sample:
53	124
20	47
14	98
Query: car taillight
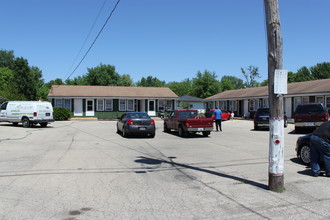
130	122
326	117
255	116
295	118
34	114
152	122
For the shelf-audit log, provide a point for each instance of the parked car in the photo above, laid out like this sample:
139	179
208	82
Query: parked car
137	123
187	121
225	114
27	112
310	115
261	118
303	149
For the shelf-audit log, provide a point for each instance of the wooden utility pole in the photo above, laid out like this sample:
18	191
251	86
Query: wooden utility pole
276	120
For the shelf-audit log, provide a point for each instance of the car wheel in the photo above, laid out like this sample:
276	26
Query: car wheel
166	128
182	132
25	122
305	154
124	132
44	124
206	133
256	127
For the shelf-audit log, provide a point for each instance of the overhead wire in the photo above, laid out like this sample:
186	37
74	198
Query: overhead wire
105	23
89	33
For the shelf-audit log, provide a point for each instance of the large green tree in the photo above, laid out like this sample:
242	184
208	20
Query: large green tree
230	82
205	84
181	88
102	75
7	58
125	80
150	82
321	70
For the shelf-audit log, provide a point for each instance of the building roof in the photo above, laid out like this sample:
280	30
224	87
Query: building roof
188	98
110	91
308	87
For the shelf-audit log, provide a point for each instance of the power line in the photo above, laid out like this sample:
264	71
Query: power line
105	23
83	45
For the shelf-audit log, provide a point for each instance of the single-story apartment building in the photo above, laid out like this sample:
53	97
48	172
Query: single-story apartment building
244	102
191	102
109	102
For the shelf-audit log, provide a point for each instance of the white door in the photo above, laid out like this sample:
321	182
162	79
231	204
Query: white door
78	107
152	107
89	107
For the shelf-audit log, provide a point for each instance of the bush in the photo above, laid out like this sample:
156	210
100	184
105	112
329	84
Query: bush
61	114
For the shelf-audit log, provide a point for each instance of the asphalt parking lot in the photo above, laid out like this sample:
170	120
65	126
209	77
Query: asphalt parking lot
84	170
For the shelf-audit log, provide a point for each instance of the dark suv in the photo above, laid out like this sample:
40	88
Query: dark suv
310	115
261	118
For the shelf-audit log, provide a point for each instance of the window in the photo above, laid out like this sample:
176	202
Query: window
64	103
130	105
58	102
122	105
169	106
108	105
319	99
162	105
265	103
328	102
305	99
296	102
100	105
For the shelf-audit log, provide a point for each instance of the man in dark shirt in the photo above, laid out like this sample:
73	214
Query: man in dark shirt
320	147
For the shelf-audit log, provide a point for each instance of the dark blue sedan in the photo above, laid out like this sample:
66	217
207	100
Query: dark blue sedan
136	123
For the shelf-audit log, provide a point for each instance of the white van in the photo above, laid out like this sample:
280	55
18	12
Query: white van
27	112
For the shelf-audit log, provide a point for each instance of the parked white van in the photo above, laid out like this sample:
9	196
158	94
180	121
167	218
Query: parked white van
27	112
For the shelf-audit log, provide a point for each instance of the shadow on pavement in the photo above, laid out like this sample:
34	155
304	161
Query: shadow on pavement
147	160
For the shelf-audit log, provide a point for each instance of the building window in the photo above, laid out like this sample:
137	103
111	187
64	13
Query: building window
122	105
296	102
265	103
162	105
64	103
319	99
130	105
169	105
108	105
305	99
100	105
58	102
328	102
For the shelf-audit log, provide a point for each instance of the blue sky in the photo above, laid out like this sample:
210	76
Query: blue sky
167	39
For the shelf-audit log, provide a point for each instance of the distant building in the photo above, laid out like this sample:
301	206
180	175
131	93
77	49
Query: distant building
244	102
191	102
109	102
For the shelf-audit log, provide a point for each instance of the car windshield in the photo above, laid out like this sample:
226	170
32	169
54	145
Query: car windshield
301	109
188	114
138	115
263	111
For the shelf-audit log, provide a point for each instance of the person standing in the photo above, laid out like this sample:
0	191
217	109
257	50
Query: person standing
320	148
218	117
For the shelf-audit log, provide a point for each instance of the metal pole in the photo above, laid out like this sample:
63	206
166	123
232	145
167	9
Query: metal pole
276	121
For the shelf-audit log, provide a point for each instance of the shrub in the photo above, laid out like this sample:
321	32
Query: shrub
61	114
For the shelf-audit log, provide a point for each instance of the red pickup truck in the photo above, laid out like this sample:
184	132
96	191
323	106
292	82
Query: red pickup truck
187	121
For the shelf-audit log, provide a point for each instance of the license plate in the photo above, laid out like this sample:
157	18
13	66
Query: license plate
47	114
309	123
200	129
142	128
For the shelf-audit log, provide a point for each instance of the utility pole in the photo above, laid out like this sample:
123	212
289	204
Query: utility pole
276	120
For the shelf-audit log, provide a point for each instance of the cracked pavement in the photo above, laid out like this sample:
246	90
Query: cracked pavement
84	170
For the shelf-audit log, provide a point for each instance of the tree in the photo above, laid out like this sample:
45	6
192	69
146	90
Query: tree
181	88
125	80
24	79
205	84
150	82
7	58
251	76
102	75
79	80
230	82
321	70
303	74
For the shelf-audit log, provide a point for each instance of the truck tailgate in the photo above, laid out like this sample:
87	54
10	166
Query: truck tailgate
199	122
